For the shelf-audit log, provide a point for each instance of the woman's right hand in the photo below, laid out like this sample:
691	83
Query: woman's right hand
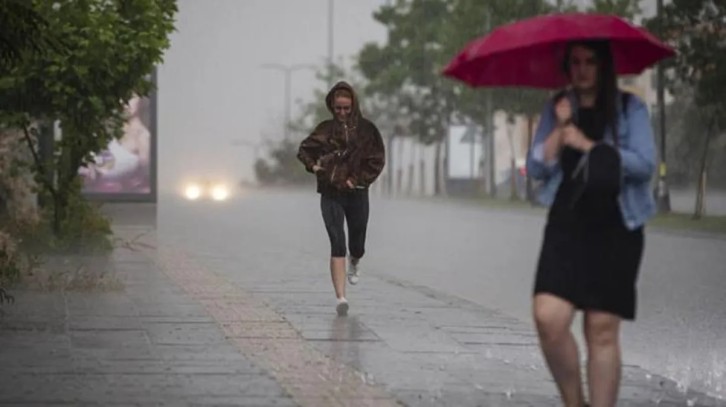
563	111
317	168
554	142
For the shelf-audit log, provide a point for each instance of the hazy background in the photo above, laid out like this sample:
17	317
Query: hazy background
212	88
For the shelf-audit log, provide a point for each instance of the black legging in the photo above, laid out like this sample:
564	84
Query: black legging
351	206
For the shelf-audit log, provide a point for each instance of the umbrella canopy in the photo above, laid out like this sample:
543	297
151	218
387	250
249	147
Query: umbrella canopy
529	53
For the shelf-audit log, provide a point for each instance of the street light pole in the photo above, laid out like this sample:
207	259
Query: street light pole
662	195
331	34
287	70
491	141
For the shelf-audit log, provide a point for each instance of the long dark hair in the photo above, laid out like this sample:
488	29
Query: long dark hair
607	81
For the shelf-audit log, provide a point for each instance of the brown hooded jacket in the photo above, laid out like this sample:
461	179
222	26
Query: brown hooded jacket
351	150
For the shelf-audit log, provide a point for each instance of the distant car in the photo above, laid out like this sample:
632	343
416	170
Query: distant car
207	190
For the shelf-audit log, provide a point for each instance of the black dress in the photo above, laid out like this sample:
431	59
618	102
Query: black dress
588	256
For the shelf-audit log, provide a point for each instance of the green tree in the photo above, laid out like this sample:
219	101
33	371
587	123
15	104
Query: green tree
686	127
113	46
22	34
696	29
22	31
624	8
423	35
564	6
404	72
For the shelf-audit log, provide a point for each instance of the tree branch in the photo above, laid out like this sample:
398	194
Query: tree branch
38	162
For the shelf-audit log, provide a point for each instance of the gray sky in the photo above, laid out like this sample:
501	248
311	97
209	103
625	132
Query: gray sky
211	86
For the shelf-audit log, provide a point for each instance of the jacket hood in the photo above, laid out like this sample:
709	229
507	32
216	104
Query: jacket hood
329	99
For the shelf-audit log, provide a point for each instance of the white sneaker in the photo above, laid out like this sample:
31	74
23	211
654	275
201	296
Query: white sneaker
353	268
342	307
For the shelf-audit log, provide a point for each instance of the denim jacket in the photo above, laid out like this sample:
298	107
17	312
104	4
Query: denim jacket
637	152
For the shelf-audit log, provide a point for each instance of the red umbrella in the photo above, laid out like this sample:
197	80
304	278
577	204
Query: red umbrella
530	52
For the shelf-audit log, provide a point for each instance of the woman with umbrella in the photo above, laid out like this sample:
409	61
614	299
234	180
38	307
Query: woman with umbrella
595	152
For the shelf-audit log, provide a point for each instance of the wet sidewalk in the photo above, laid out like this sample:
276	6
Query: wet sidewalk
424	348
193	328
148	345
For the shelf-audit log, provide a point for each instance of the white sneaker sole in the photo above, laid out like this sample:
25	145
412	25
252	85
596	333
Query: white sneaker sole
342	309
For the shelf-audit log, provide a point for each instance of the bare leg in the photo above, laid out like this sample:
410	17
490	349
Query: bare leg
553	317
334	218
602	331
337	272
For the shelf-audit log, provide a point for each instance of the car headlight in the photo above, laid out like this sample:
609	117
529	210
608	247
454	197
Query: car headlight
220	193
193	192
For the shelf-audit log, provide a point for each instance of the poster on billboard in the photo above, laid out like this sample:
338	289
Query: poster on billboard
126	169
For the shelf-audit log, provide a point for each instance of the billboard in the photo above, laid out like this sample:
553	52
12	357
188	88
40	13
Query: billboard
126	169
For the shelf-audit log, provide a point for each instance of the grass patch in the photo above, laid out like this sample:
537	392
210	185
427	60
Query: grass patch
685	222
79	269
667	222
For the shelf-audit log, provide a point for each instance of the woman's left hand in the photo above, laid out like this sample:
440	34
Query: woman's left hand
573	137
349	183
